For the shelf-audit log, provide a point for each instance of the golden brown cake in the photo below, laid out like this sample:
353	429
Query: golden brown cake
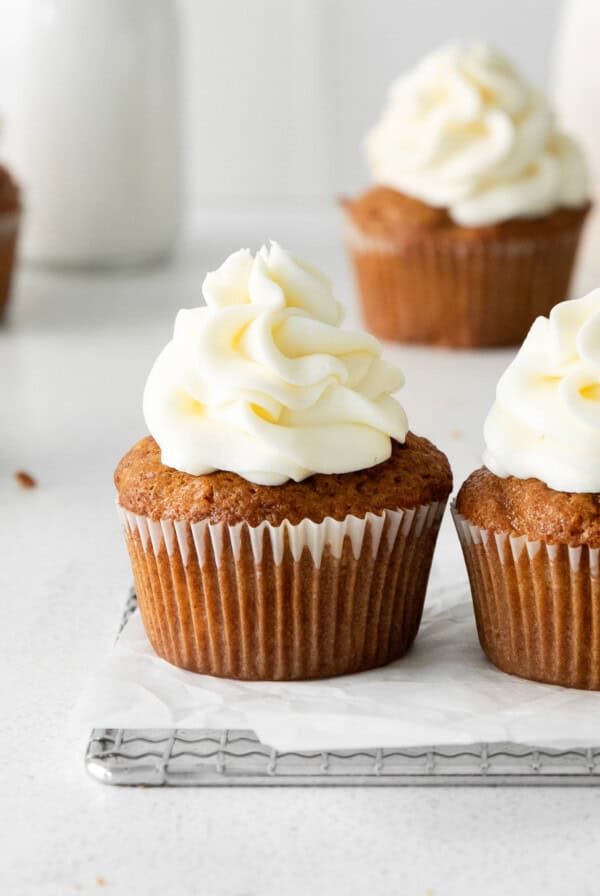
471	229
217	597
10	212
281	519
416	473
240	611
528	507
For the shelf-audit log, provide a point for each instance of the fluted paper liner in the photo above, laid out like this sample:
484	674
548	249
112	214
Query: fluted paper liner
283	602
477	292
537	605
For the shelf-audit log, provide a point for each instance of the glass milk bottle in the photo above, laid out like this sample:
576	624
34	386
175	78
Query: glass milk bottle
93	105
577	78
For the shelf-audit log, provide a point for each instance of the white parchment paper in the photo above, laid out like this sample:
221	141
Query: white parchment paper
443	692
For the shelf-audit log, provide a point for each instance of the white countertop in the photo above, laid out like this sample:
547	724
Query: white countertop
72	366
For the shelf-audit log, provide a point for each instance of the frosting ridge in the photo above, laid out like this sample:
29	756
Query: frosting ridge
545	422
465	131
264	382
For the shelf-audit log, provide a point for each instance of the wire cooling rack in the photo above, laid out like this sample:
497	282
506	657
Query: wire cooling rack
203	758
208	758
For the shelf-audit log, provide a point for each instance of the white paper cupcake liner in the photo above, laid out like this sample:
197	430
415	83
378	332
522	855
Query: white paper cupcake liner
424	287
283	602
537	605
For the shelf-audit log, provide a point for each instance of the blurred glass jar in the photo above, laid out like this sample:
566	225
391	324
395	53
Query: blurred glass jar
92	96
577	87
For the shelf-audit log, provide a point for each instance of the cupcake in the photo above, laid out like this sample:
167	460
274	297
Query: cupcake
280	518
529	521
471	229
10	213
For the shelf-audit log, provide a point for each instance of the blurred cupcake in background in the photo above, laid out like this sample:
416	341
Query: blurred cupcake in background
529	521
10	215
280	519
471	229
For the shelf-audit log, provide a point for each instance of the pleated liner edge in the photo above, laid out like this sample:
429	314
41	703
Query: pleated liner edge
537	605
283	602
468	293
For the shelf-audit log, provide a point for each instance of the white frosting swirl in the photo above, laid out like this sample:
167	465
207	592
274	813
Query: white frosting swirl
465	131
545	422
264	383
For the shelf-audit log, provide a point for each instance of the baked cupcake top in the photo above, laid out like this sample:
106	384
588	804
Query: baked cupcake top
528	507
542	435
465	131
263	382
384	212
416	473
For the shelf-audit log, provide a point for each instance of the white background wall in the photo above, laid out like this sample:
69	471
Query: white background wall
278	93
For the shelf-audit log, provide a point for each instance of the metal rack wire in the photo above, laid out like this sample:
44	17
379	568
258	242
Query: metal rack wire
185	757
229	757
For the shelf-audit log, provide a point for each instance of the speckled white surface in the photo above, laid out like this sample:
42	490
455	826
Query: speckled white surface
72	366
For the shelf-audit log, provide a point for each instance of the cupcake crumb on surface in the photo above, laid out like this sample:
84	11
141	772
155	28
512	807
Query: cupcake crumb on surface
25	480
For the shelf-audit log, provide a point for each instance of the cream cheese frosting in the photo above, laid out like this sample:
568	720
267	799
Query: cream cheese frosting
465	131
264	382
545	422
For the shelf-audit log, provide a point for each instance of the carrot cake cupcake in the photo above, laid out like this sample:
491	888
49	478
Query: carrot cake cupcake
280	518
471	228
10	213
529	521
